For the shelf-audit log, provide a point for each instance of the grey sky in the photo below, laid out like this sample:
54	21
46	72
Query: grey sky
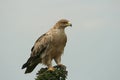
93	47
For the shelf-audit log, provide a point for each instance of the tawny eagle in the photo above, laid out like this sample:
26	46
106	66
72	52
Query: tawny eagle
48	47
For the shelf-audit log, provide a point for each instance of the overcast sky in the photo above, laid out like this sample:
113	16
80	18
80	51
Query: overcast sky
93	46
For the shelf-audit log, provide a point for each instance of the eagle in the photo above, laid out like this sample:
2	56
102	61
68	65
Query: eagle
50	46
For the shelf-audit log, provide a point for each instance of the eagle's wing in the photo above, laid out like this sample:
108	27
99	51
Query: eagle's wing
37	52
41	45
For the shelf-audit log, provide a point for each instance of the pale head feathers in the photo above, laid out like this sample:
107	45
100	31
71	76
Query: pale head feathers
63	23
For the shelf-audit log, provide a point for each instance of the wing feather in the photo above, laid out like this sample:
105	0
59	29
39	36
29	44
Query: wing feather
41	44
37	52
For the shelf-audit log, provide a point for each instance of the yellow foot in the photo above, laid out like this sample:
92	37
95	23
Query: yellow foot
51	69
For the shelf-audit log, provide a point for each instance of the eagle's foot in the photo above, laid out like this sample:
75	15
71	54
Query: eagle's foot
51	69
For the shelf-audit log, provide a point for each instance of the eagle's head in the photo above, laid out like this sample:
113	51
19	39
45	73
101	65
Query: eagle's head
63	23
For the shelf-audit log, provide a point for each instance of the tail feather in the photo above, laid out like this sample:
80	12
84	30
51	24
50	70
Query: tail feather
30	64
24	65
30	68
27	63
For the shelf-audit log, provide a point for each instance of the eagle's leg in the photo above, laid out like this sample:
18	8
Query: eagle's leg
50	67
58	61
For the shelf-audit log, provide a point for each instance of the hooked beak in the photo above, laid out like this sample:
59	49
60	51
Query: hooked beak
69	24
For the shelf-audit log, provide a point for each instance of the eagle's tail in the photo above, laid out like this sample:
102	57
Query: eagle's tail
29	65
30	68
24	65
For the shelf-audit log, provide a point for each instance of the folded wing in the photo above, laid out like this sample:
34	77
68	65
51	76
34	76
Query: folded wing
37	52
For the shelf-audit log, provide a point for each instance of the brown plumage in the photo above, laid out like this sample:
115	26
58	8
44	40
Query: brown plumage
48	47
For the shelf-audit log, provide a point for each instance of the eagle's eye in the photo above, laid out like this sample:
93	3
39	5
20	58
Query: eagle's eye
64	22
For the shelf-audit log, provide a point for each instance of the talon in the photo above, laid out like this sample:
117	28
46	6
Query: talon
51	69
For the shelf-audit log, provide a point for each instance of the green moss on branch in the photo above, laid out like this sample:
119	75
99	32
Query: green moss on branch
59	73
